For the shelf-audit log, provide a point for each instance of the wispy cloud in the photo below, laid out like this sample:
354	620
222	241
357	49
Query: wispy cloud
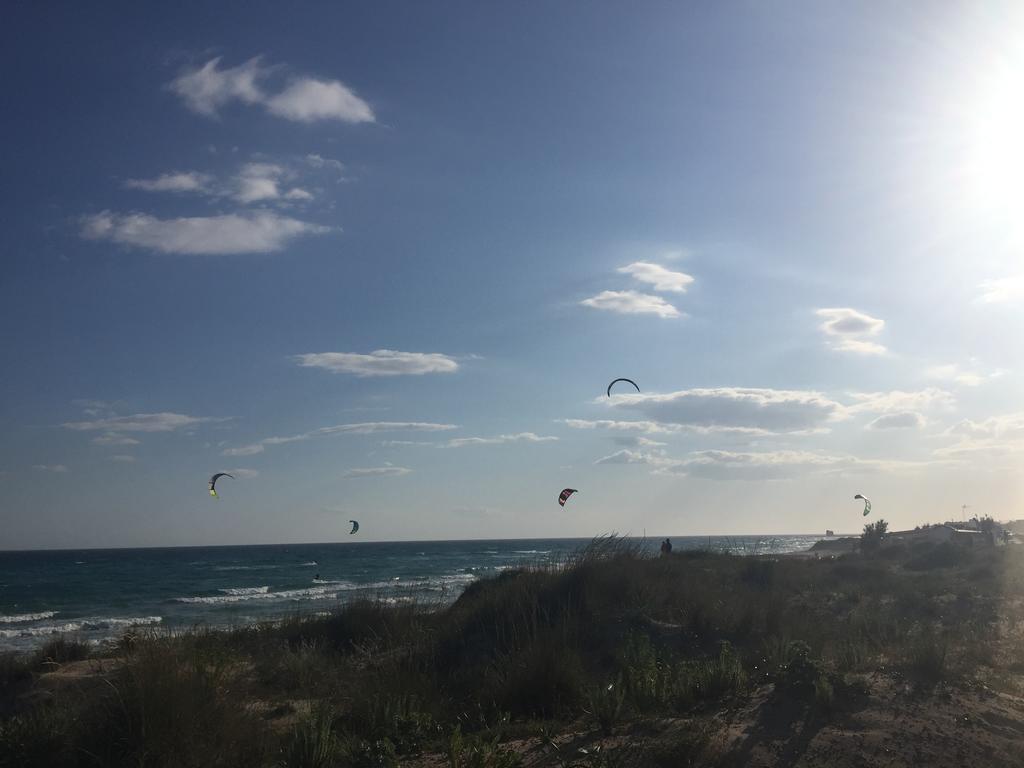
307	100
725	408
258	232
660	278
636	441
364	428
954	373
59	468
112	438
243	473
1002	290
898	400
632	303
377	472
521	437
320	162
851	331
621	426
381	362
898	420
254	182
751	465
208	88
258	182
140	422
994	437
188	181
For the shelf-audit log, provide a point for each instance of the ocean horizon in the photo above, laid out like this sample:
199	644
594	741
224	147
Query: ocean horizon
95	595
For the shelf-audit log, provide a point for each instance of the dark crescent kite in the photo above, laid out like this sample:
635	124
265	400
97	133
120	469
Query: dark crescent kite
616	381
564	496
355	527
867	504
213	483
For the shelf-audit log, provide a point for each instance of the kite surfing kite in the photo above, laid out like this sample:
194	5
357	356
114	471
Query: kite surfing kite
867	504
213	483
564	496
355	527
616	381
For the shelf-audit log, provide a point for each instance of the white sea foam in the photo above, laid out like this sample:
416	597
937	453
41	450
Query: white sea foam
245	567
245	590
311	593
18	618
95	624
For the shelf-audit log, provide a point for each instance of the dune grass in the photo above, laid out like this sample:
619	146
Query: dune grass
610	636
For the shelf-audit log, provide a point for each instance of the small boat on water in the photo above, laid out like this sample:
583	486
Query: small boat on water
829	532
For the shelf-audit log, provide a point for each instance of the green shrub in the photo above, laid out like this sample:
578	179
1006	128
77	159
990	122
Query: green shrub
944	555
397	717
468	751
312	743
925	656
604	704
60	650
758	573
361	753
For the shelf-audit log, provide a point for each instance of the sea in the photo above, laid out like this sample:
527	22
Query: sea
95	595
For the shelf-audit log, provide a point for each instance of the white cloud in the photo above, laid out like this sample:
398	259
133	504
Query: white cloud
898	420
257	182
364	428
241	473
307	100
319	162
260	232
381	362
954	373
140	422
208	88
735	408
625	456
751	465
632	303
622	426
899	400
190	181
50	467
527	437
635	441
1008	425
849	330
658	276
112	438
766	465
991	438
1002	290
377	472
123	458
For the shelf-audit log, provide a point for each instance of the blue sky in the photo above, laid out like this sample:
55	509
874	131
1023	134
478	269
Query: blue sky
382	262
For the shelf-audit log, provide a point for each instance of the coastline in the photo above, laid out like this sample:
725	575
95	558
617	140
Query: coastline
701	657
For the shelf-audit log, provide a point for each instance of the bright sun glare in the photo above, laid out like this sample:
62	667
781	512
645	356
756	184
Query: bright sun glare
996	145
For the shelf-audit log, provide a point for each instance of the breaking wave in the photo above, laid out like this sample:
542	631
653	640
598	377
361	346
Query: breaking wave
19	618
